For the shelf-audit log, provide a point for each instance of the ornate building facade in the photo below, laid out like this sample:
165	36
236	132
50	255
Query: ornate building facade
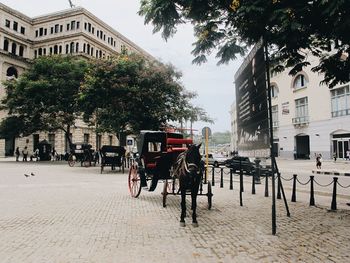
74	31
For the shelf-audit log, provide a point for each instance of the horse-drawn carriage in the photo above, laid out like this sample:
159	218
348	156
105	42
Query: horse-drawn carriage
83	153
169	157
112	156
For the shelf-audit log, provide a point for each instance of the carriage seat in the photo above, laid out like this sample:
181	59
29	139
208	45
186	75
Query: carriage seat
177	144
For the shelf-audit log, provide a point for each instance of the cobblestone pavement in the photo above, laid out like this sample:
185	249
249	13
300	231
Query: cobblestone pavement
65	214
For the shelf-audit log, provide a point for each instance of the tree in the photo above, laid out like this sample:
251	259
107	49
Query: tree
44	97
290	27
129	94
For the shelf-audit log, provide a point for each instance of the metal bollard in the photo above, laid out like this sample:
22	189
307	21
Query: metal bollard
212	176
278	185
222	178
267	184
253	185
241	187
231	179
294	188
334	197
257	173
312	194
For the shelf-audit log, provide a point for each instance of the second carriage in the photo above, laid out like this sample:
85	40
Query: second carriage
158	152
113	156
83	153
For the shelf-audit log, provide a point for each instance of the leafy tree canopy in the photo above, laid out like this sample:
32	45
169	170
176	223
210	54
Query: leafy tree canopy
289	26
128	93
44	97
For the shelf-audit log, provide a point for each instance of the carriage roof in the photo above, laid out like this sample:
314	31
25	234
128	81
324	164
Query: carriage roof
165	138
113	149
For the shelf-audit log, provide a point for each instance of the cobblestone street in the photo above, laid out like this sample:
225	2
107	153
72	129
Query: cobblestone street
65	214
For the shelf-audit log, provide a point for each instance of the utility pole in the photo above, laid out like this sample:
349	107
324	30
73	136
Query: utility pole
71	4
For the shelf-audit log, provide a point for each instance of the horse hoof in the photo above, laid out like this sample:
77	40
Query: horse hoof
182	224
195	224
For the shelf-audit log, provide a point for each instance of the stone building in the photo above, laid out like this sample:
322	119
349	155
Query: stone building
74	31
308	117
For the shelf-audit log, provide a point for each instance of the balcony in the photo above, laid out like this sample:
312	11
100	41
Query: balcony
300	120
340	113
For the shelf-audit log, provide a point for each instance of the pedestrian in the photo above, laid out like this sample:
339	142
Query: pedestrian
318	161
25	154
348	155
17	154
53	154
335	157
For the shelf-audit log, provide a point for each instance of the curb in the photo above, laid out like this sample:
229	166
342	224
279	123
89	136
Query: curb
330	173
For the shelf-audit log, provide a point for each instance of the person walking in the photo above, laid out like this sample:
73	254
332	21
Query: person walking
335	157
25	154
17	154
318	161
348	155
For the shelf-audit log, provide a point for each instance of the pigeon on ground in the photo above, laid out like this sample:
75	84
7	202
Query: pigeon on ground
32	174
26	175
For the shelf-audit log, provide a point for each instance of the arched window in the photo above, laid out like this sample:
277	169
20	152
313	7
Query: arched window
100	53
40	51
14	48
72	47
77	47
21	51
84	48
60	49
55	49
67	48
274	91
6	45
88	48
300	81
50	50
12	72
92	51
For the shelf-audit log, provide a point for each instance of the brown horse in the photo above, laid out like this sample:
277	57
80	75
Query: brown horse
188	169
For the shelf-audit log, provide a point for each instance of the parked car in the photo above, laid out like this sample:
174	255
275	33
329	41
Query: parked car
216	161
236	162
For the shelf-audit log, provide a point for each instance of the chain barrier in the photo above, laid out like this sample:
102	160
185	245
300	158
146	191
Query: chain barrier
322	184
286	179
343	186
303	183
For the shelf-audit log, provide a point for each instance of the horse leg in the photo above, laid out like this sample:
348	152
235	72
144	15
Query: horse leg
183	204
194	193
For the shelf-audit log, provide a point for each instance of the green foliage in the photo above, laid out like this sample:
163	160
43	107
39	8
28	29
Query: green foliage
221	137
290	27
128	93
44	97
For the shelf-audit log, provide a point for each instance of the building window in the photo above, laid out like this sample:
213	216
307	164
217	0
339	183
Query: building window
300	82
35	53
72	47
98	33
56	28
274	91
55	49
41	31
78	24
15	25
67	48
89	27
60	49
6	45
14	48
68	27
45	31
77	47
340	100
84	47
301	111
61	28
12	72
52	139
21	51
88	49
85	26
36	33
86	138
50	50
40	51
23	30
7	23
72	25
51	30
274	110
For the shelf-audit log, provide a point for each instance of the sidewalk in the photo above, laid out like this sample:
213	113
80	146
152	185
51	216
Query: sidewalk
65	214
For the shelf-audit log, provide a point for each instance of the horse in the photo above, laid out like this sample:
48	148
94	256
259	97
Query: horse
189	171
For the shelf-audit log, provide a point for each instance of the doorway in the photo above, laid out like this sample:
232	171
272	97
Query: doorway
302	143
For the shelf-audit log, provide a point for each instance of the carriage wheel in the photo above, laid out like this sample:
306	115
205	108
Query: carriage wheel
134	181
165	192
71	160
210	196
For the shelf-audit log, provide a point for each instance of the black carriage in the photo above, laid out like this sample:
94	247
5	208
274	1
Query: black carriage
83	153
158	152
112	156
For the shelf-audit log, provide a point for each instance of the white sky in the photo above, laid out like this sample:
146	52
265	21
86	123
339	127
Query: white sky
214	84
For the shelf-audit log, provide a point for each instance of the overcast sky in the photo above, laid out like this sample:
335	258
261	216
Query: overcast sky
213	84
